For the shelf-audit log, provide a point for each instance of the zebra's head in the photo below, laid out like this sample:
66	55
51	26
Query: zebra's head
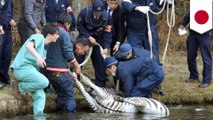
96	91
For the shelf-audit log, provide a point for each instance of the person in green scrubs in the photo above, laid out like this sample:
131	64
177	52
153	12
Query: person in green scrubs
27	62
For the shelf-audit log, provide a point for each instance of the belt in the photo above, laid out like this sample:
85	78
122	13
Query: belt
56	74
57	69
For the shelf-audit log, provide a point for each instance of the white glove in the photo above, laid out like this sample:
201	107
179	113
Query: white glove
170	1
1	30
143	9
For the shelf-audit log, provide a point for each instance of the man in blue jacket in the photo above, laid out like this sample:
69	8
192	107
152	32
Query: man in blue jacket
6	24
126	52
56	7
60	56
195	41
95	24
138	77
136	18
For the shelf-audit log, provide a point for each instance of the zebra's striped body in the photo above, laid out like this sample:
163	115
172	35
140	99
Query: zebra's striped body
103	101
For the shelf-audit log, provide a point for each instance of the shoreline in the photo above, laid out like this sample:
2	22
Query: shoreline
177	91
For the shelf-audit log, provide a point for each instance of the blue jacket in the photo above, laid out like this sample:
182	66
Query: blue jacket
140	52
6	13
135	70
59	53
53	10
137	53
101	29
137	21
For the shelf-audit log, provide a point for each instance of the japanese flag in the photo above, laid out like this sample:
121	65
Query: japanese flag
201	15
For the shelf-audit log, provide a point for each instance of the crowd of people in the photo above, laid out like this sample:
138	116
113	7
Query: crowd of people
47	30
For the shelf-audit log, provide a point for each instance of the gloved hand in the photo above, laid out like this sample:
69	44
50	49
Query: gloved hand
170	1
1	30
143	9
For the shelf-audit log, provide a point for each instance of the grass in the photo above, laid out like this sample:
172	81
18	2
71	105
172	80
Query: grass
177	91
176	72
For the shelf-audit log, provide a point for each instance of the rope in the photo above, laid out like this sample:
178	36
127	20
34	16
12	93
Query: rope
170	23
89	54
149	35
87	57
149	29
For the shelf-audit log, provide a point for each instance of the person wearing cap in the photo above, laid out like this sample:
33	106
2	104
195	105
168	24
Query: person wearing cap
55	7
136	19
204	43
95	24
59	57
138	77
118	18
126	52
25	67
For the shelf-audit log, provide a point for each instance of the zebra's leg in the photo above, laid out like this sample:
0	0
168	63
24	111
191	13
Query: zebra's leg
118	98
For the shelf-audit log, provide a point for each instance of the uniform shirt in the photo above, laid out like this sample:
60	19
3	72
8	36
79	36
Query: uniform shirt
137	21
33	12
100	29
135	70
6	13
137	53
141	52
24	58
53	10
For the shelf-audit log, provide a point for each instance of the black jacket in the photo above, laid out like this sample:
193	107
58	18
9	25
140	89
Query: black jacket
119	29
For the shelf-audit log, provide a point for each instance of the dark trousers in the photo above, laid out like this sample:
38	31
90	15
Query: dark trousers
141	40
5	56
24	31
195	41
63	86
145	86
99	66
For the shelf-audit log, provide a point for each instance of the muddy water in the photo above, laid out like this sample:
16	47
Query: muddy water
176	113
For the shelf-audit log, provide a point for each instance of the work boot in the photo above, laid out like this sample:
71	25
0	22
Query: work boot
190	80
16	92
159	90
1	85
203	85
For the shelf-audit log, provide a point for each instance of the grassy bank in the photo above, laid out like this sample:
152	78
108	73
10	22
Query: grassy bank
177	91
176	72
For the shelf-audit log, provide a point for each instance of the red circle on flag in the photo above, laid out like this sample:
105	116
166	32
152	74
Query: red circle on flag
201	17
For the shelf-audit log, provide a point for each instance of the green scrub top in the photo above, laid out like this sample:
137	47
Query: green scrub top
24	58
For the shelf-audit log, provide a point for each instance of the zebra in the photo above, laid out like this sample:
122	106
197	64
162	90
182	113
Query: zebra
103	100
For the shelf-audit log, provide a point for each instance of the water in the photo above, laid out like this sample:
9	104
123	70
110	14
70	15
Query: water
176	113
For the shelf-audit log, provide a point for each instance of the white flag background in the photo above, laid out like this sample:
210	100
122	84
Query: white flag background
201	15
